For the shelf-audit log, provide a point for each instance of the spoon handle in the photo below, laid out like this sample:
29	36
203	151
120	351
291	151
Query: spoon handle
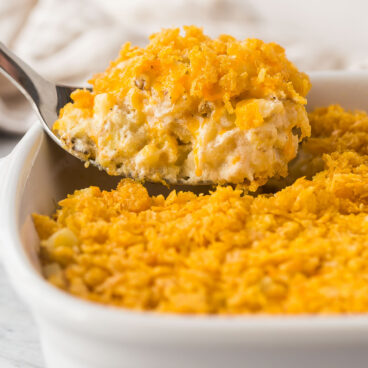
29	82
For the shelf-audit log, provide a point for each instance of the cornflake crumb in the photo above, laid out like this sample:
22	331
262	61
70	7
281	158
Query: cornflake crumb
300	250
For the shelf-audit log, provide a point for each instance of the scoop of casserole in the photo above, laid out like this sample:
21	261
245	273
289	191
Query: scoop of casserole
191	109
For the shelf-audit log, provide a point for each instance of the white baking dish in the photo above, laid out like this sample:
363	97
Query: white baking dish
78	334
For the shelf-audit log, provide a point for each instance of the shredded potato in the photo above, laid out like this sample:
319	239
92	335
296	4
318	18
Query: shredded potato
300	250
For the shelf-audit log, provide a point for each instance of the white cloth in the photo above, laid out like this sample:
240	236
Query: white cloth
68	41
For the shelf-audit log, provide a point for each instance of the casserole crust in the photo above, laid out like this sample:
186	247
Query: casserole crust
300	250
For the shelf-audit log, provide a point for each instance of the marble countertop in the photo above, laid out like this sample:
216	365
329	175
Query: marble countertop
19	341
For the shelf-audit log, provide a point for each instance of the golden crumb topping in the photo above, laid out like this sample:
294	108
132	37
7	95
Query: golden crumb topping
333	130
222	69
300	250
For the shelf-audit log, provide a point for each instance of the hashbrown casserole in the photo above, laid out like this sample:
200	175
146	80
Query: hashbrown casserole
300	250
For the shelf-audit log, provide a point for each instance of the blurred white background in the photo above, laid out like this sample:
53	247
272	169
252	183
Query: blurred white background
69	40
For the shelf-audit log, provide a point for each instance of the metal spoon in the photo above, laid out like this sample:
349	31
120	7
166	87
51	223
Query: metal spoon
46	98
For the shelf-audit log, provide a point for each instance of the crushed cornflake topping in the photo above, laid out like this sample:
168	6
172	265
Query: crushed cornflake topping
212	69
300	250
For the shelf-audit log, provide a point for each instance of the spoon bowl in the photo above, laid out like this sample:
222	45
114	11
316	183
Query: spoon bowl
46	98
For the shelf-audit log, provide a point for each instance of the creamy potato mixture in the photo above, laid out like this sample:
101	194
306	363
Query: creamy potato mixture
191	109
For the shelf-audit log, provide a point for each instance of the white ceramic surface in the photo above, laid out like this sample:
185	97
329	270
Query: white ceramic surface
19	339
78	334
